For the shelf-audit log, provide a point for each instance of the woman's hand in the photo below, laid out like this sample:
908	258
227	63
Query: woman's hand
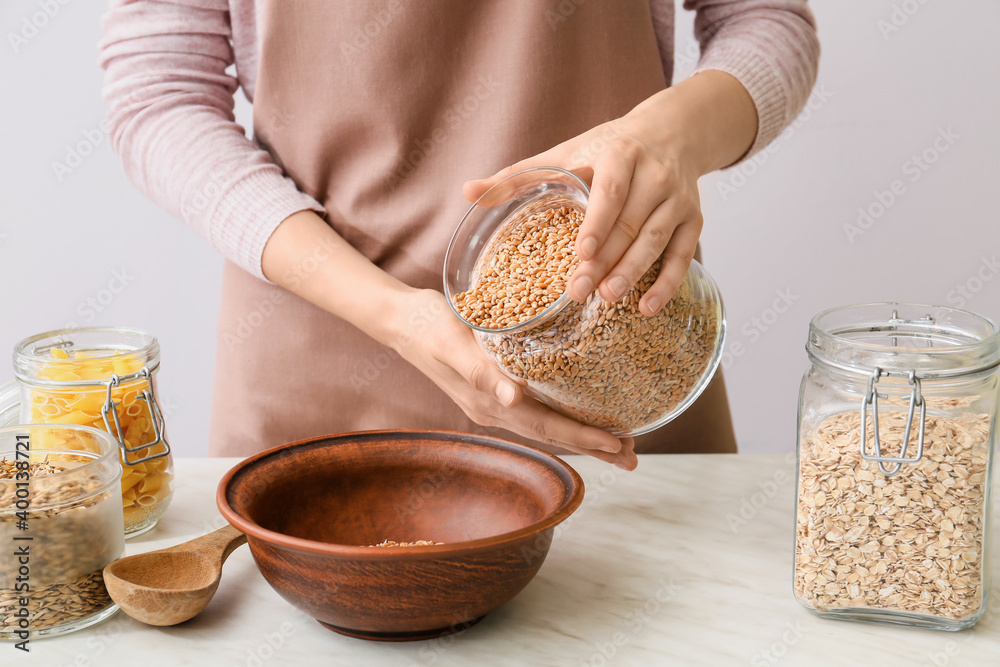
446	351
419	325
643	171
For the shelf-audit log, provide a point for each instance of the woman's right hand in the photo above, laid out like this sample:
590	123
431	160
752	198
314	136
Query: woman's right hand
445	350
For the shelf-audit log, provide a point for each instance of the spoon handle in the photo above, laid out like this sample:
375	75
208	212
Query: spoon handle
224	541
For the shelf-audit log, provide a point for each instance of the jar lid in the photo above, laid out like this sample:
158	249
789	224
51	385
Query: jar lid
935	341
34	353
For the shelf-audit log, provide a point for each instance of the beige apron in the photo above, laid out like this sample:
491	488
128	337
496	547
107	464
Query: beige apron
381	110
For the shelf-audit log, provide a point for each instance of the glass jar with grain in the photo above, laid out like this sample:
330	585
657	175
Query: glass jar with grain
60	524
896	429
602	363
104	377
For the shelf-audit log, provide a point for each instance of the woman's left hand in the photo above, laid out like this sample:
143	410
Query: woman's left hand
643	171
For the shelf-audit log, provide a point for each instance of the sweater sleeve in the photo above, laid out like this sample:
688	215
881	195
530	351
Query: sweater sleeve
770	46
170	110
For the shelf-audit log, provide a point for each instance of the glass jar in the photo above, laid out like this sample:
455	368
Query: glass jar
60	524
103	377
896	425
603	364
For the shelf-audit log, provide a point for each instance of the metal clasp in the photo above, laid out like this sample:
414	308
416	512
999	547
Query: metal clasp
895	321
871	397
156	416
59	344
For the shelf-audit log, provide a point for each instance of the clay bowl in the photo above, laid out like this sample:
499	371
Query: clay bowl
311	508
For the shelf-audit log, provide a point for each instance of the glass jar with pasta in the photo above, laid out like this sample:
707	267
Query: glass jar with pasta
104	377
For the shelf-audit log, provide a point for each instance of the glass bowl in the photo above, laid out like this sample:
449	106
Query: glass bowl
603	364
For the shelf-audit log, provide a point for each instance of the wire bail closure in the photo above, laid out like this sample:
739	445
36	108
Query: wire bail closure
156	416
871	398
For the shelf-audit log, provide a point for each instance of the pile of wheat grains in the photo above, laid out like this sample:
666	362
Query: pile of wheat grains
604	364
418	543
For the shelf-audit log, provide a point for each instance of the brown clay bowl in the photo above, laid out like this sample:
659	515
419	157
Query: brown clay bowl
311	508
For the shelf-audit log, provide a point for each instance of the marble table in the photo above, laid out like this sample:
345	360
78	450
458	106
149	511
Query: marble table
686	561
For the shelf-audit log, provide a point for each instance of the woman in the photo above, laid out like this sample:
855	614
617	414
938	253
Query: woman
368	119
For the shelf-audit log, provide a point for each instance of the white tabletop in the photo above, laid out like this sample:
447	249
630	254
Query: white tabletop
685	561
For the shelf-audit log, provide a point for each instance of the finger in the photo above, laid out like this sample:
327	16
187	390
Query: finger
627	456
534	420
473	190
626	459
676	261
611	182
642	251
484	376
641	214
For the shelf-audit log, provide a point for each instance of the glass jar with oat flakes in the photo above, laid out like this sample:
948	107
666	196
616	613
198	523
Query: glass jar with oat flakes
103	377
896	426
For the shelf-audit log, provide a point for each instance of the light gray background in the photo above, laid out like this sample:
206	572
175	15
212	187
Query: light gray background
894	77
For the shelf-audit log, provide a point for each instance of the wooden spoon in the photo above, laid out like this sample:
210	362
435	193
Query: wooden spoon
171	585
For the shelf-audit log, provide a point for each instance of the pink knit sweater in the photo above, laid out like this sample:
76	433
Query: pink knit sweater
170	101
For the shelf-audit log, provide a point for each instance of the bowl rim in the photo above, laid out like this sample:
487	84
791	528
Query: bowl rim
255	531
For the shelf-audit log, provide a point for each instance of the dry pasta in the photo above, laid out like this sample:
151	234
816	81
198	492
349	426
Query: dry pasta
145	486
